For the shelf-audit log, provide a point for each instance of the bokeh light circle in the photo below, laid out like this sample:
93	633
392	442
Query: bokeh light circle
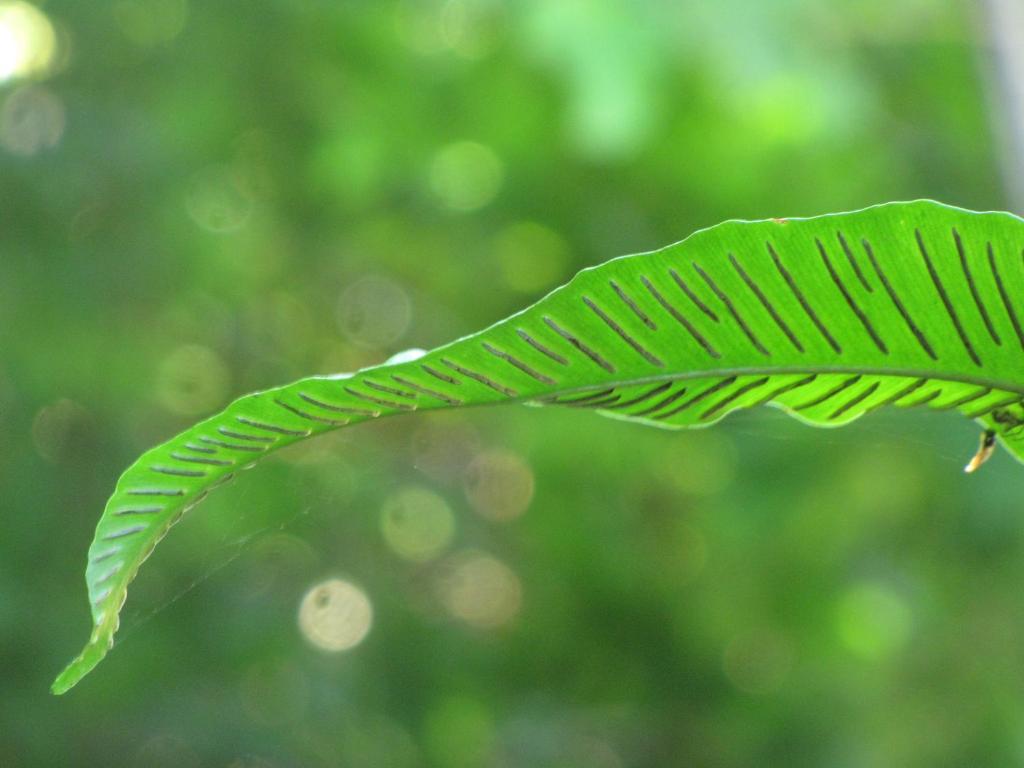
873	621
758	662
417	524
374	312
151	22
28	43
218	200
480	590
335	615
466	175
192	380
499	485
530	256
31	119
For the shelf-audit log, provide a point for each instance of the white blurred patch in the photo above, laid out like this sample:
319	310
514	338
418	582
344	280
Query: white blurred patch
28	43
406	356
335	615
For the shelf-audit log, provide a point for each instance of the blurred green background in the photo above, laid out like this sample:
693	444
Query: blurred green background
199	199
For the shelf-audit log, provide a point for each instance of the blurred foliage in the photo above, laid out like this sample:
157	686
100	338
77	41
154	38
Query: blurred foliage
200	199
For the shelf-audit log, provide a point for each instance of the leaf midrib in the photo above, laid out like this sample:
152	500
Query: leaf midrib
762	370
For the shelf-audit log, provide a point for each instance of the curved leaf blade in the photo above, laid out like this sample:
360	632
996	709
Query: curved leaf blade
904	304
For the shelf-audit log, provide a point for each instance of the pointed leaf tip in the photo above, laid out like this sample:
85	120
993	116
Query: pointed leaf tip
82	665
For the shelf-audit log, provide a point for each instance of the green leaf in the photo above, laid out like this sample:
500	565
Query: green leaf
905	304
